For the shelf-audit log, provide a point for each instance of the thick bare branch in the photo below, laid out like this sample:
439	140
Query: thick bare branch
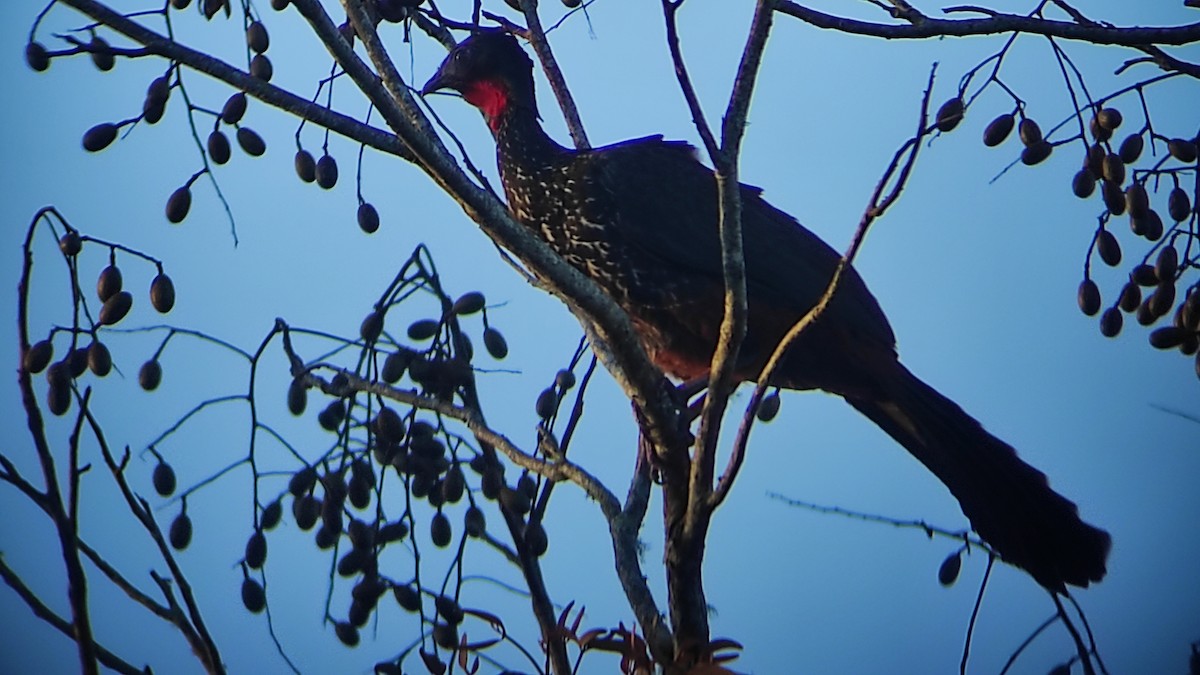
733	325
622	352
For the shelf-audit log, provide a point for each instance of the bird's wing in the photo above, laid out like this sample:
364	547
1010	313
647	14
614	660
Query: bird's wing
666	205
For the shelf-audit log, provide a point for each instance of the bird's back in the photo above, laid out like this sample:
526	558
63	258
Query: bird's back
665	206
641	218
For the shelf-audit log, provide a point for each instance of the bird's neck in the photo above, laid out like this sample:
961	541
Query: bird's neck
519	134
520	139
510	108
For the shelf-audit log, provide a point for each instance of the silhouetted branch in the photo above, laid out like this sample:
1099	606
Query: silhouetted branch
898	171
966	653
554	75
688	514
670	10
930	530
124	584
1081	650
192	624
1028	641
280	98
556	469
39	609
64	526
996	23
1092	649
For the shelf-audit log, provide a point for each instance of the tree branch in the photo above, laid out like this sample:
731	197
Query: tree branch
900	167
670	9
622	352
997	23
40	610
733	326
558	83
623	529
688	511
81	625
197	635
163	46
555	470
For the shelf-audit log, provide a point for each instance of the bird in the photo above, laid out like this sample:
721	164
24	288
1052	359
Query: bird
641	219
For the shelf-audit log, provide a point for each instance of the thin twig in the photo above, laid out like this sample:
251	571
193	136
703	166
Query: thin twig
556	470
929	530
670	9
1028	641
1080	649
966	653
124	584
200	639
900	168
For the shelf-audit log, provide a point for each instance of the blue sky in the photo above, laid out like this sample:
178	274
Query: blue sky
977	278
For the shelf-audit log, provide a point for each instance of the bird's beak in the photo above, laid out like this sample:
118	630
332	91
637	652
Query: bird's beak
435	83
440	80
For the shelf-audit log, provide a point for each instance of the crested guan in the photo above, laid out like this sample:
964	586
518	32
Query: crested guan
640	218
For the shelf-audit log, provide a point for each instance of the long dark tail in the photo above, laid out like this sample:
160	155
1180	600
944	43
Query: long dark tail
1009	503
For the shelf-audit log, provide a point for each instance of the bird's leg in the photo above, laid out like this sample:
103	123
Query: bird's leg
693	388
689	388
680	394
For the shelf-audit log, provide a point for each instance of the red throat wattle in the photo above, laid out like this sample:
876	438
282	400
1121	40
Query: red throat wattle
490	96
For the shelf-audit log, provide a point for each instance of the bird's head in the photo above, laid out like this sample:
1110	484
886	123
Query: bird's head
491	71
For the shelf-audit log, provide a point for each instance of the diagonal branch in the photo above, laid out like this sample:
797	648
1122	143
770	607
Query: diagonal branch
558	83
623	355
41	611
899	169
199	638
125	585
670	9
559	469
162	45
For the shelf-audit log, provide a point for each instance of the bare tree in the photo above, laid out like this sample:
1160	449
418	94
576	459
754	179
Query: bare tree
409	445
